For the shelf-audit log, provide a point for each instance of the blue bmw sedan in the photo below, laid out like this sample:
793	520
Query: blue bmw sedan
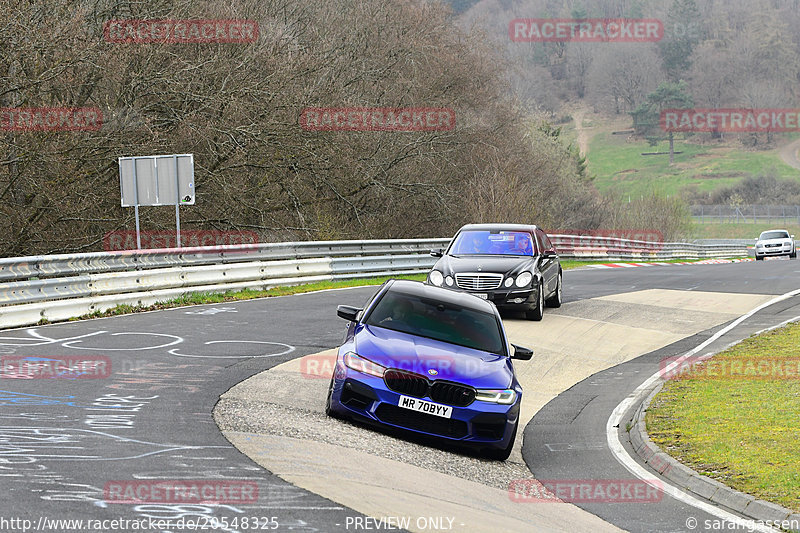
431	361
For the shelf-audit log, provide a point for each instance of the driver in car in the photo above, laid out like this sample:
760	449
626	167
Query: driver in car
404	317
522	245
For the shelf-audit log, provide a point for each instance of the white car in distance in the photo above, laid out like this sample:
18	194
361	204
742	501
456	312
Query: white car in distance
775	242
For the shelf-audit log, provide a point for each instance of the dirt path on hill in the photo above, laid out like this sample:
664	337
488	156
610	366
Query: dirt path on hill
789	154
583	136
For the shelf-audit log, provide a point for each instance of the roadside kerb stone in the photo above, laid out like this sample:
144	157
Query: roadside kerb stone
761	510
687	479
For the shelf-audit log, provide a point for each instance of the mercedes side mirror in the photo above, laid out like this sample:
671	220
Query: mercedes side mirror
439	252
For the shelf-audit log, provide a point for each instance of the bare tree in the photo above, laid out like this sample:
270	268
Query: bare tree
622	75
236	107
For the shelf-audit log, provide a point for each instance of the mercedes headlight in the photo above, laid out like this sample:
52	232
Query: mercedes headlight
524	279
436	278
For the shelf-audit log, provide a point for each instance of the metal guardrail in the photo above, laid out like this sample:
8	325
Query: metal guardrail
45	266
59	287
740	242
612	248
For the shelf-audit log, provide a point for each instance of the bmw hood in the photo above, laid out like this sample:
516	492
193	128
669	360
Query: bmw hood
434	359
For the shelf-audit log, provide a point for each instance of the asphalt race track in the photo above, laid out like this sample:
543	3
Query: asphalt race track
63	441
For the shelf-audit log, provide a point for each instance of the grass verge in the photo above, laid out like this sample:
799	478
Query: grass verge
740	429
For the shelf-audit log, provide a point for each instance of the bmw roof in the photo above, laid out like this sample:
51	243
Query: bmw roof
446	296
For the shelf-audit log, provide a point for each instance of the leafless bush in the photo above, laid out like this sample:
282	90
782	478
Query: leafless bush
670	216
766	189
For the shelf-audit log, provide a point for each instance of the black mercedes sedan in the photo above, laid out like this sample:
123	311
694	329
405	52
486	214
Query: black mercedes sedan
515	266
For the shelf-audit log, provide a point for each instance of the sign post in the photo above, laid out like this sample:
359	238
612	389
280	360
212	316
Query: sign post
157	180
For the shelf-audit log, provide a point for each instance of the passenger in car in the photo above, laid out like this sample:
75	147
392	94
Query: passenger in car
478	245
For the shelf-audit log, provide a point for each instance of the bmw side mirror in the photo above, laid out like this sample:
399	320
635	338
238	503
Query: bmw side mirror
347	312
437	253
523	354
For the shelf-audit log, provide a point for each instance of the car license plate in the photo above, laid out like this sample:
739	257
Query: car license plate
481	295
422	406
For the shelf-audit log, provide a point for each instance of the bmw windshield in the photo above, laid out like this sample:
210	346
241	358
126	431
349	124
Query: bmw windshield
475	242
435	320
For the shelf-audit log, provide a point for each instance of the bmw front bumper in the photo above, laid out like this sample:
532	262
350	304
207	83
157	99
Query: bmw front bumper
368	399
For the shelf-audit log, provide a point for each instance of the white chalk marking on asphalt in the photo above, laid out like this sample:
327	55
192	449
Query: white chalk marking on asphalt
621	455
35	335
176	340
213	311
288	349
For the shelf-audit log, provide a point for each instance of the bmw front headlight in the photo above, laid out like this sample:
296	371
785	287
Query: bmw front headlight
363	365
436	278
502	397
524	279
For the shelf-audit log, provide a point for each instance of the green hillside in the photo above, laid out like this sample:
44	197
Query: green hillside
617	164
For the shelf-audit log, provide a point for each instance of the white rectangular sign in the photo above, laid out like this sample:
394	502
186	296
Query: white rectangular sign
157	180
